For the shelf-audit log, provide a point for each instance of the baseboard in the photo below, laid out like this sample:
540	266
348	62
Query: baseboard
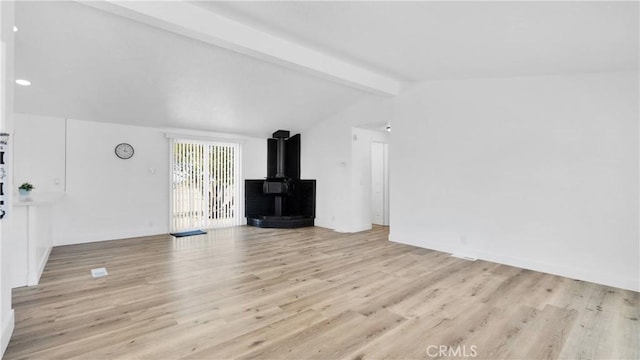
7	330
43	263
627	283
72	239
353	229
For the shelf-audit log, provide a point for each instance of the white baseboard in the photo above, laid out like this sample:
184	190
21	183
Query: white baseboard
72	239
353	228
590	275
43	263
7	330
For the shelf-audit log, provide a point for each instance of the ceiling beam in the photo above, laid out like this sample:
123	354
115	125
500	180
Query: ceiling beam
196	22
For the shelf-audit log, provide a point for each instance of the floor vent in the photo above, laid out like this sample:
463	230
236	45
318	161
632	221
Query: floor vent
99	272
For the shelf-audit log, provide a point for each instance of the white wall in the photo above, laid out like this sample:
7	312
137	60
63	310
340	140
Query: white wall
540	173
107	197
536	172
16	244
254	158
6	125
39	152
327	157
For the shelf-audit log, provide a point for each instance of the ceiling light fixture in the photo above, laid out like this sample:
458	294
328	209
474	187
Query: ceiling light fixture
388	128
15	28
23	82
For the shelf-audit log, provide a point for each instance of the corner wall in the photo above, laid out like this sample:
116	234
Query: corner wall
535	172
327	157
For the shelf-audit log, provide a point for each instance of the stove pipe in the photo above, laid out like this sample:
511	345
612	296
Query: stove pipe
280	136
280	168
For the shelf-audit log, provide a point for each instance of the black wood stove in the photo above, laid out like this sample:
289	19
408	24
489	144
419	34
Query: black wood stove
282	200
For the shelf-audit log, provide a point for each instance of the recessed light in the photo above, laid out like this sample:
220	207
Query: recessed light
23	82
15	28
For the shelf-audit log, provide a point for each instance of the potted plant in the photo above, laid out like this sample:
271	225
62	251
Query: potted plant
25	191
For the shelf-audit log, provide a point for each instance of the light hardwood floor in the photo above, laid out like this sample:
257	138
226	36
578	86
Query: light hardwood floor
310	293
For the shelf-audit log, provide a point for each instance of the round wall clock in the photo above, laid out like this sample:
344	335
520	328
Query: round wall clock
124	151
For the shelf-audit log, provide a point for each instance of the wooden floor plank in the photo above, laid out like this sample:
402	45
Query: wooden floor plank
309	293
258	339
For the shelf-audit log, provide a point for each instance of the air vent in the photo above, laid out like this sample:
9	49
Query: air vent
468	258
99	272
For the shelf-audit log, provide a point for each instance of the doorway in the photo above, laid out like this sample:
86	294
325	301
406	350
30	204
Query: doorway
205	185
379	183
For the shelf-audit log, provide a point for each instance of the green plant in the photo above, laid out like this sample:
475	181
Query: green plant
26	186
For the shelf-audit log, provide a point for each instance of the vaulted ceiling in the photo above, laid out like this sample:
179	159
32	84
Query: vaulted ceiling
425	40
86	63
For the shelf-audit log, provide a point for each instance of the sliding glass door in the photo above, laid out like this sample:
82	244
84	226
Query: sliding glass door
205	185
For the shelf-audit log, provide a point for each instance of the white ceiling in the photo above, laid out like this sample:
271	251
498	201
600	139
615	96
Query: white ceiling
88	64
451	40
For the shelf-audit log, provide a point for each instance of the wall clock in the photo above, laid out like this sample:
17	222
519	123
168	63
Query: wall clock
124	151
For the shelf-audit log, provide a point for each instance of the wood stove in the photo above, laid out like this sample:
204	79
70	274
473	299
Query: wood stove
282	200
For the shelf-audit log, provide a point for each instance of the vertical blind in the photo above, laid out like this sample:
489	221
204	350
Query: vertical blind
205	188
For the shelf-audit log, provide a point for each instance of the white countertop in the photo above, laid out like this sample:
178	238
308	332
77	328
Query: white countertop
38	199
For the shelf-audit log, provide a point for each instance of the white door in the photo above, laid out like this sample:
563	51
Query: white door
205	185
379	184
